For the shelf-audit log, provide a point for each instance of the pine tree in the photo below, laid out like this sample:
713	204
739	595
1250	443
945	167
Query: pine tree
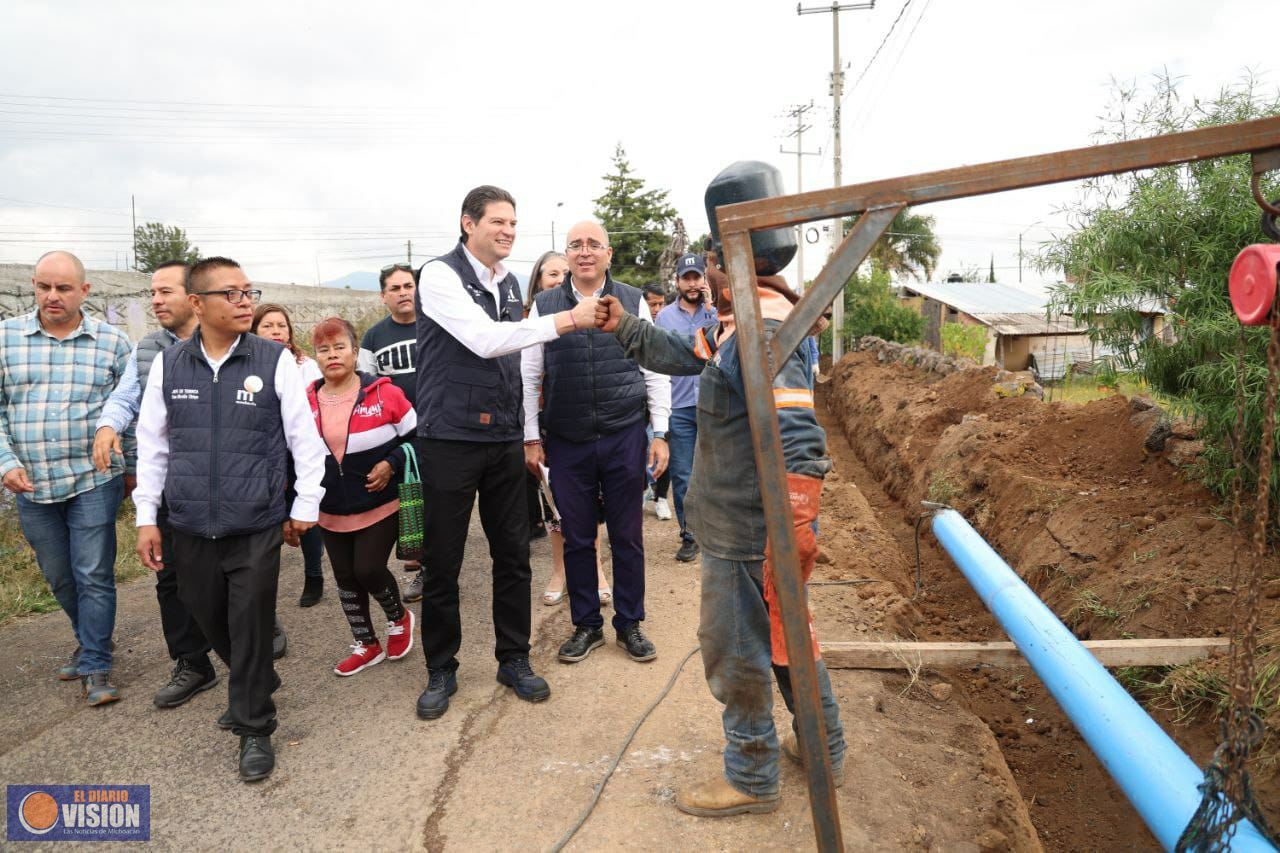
637	220
991	276
158	243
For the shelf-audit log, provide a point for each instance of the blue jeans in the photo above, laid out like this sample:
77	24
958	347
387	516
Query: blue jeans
734	632
75	544
682	436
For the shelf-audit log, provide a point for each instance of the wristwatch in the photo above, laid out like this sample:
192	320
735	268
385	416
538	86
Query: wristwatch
661	435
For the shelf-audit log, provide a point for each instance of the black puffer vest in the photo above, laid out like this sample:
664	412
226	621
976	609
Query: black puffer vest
227	450
589	388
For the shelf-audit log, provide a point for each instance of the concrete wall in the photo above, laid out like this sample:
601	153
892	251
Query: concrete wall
123	299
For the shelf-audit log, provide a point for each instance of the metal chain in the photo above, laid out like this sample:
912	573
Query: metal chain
1227	791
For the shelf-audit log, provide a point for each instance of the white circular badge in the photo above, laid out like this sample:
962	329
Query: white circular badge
253	384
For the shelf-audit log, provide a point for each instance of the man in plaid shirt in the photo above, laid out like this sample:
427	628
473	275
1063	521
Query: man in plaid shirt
57	367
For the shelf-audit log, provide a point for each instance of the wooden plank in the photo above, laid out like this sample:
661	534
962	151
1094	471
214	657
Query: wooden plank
1110	653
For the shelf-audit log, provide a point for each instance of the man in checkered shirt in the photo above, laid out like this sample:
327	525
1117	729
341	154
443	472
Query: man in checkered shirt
58	365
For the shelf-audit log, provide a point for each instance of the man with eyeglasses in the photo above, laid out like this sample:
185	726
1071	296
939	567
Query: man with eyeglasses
388	349
470	422
220	414
57	367
192	673
597	402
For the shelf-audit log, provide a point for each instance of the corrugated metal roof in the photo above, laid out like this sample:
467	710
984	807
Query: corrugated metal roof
1029	324
975	299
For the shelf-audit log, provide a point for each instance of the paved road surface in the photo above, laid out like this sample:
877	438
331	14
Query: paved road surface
357	770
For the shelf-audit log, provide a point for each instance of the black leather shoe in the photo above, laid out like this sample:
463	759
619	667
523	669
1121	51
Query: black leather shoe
187	680
518	675
688	552
434	701
279	642
257	759
636	643
224	722
578	646
312	591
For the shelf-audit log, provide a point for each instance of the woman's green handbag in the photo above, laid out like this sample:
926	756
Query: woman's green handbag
409	539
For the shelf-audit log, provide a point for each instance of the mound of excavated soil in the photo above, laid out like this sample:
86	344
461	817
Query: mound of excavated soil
1116	540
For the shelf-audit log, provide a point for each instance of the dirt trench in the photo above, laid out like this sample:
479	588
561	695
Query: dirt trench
1117	541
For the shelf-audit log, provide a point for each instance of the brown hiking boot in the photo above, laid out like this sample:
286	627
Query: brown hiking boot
791	749
718	798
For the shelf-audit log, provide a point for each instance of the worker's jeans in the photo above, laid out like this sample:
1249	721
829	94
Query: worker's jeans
734	633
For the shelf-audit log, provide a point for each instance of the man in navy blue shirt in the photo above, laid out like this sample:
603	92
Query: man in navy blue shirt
691	311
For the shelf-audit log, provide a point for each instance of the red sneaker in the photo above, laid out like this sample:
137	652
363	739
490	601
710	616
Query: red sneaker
362	657
400	636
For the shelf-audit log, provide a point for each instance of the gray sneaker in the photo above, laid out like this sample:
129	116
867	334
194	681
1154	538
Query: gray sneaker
186	681
70	670
98	689
688	552
413	592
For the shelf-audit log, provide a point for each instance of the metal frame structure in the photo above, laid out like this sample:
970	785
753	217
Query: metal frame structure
876	203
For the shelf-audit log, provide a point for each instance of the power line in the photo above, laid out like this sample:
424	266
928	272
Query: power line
883	41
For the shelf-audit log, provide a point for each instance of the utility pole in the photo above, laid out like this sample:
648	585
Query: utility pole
133	209
797	112
408	247
837	95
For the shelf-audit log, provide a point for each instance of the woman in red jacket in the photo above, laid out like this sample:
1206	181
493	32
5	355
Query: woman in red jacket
365	421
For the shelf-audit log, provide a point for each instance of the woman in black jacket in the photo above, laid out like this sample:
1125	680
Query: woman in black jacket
365	421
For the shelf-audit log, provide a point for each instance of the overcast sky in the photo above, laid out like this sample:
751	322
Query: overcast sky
312	139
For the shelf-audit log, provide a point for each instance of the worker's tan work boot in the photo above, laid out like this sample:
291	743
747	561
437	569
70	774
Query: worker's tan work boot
791	749
718	798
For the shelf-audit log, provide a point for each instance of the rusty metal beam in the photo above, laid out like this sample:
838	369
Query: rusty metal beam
766	439
965	181
829	283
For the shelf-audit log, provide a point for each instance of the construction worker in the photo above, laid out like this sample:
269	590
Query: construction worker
739	627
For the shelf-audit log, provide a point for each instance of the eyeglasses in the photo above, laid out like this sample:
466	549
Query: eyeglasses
389	267
589	245
232	295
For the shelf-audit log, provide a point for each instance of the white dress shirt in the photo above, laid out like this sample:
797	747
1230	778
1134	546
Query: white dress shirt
657	385
445	300
300	433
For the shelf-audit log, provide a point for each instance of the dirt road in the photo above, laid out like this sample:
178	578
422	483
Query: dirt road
357	770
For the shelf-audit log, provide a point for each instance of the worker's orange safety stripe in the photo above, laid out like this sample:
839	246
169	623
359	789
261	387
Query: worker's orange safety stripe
701	348
792	397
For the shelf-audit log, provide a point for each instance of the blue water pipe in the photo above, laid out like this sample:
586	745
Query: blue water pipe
1154	773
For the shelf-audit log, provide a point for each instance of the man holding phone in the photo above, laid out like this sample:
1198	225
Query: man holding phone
691	311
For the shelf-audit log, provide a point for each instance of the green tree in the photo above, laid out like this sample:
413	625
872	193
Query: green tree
158	243
871	308
637	220
909	248
1167	237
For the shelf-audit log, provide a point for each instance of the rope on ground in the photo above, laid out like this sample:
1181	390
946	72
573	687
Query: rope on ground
622	750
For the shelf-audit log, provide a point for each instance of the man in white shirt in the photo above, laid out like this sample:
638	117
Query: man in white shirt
220	414
596	403
470	423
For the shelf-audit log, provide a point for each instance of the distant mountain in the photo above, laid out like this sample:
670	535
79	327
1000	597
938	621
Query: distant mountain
358	280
